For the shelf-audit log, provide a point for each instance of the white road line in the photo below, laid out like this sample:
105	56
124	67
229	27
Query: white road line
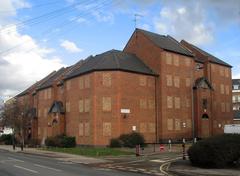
26	169
14	159
46	167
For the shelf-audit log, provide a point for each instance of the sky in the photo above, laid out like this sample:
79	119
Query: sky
39	36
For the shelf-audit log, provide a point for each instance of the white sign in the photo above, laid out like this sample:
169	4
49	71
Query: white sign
125	111
134	128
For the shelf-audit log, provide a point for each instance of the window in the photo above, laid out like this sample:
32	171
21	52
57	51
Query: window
168	59
143	127
142	80
87	81
68	84
235	87
170	124
87	105
151	103
39	113
67	106
177	124
107	129
169	80
80	105
81	86
80	129
151	127
188	82
222	88
204	103
87	129
227	90
221	70
49	93
176	81
45	112
176	60
177	102
143	104
106	104
107	80
187	62
169	102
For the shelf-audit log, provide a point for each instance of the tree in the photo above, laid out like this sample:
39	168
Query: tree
18	117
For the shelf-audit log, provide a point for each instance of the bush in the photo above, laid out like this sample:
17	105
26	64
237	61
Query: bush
6	139
61	141
128	140
115	143
216	152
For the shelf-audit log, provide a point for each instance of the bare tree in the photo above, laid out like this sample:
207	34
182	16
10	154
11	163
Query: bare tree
18	117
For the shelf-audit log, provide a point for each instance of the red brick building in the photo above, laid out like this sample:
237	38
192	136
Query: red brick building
156	86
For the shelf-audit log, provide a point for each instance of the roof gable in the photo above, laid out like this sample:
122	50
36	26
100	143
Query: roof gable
203	83
166	42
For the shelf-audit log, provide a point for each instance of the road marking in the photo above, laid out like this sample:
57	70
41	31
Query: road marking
23	168
14	159
46	167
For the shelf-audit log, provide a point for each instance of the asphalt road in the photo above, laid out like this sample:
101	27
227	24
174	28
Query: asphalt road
19	164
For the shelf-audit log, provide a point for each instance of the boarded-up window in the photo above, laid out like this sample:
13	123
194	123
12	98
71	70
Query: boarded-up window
227	72
189	123
80	105
143	127
177	102
188	82
223	107
87	105
170	124
45	94
176	81
45	112
142	80
151	127
107	129
106	103
169	102
87	81
150	82
221	69
49	93
68	84
67	106
81	83
143	104
177	124
39	113
107	79
80	129
187	102
169	80
168	59
227	107
227	90
176	60
222	88
151	103
213	68
87	129
187	62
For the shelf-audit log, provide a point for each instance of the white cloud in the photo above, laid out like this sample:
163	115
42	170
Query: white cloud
184	22
70	46
22	60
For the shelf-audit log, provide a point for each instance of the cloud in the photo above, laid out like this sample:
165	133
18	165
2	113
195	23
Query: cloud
70	46
22	60
184	22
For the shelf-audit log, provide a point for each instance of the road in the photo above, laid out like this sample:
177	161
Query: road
19	164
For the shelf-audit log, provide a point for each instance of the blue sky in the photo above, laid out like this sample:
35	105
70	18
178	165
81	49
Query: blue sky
38	36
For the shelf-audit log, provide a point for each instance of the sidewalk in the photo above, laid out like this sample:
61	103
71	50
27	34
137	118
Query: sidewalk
184	168
59	156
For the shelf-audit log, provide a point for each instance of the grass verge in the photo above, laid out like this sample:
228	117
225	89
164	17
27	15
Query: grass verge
90	151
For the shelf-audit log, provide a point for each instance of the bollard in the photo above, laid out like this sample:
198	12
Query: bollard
183	146
161	147
169	145
195	140
137	150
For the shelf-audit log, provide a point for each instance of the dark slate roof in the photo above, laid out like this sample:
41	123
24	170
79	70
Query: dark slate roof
236	115
57	107
236	81
48	82
112	60
166	42
201	81
212	58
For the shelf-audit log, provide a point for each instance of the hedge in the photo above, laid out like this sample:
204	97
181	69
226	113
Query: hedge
216	152
61	141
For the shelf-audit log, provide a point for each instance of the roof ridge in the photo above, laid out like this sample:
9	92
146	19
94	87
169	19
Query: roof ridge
116	58
173	39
